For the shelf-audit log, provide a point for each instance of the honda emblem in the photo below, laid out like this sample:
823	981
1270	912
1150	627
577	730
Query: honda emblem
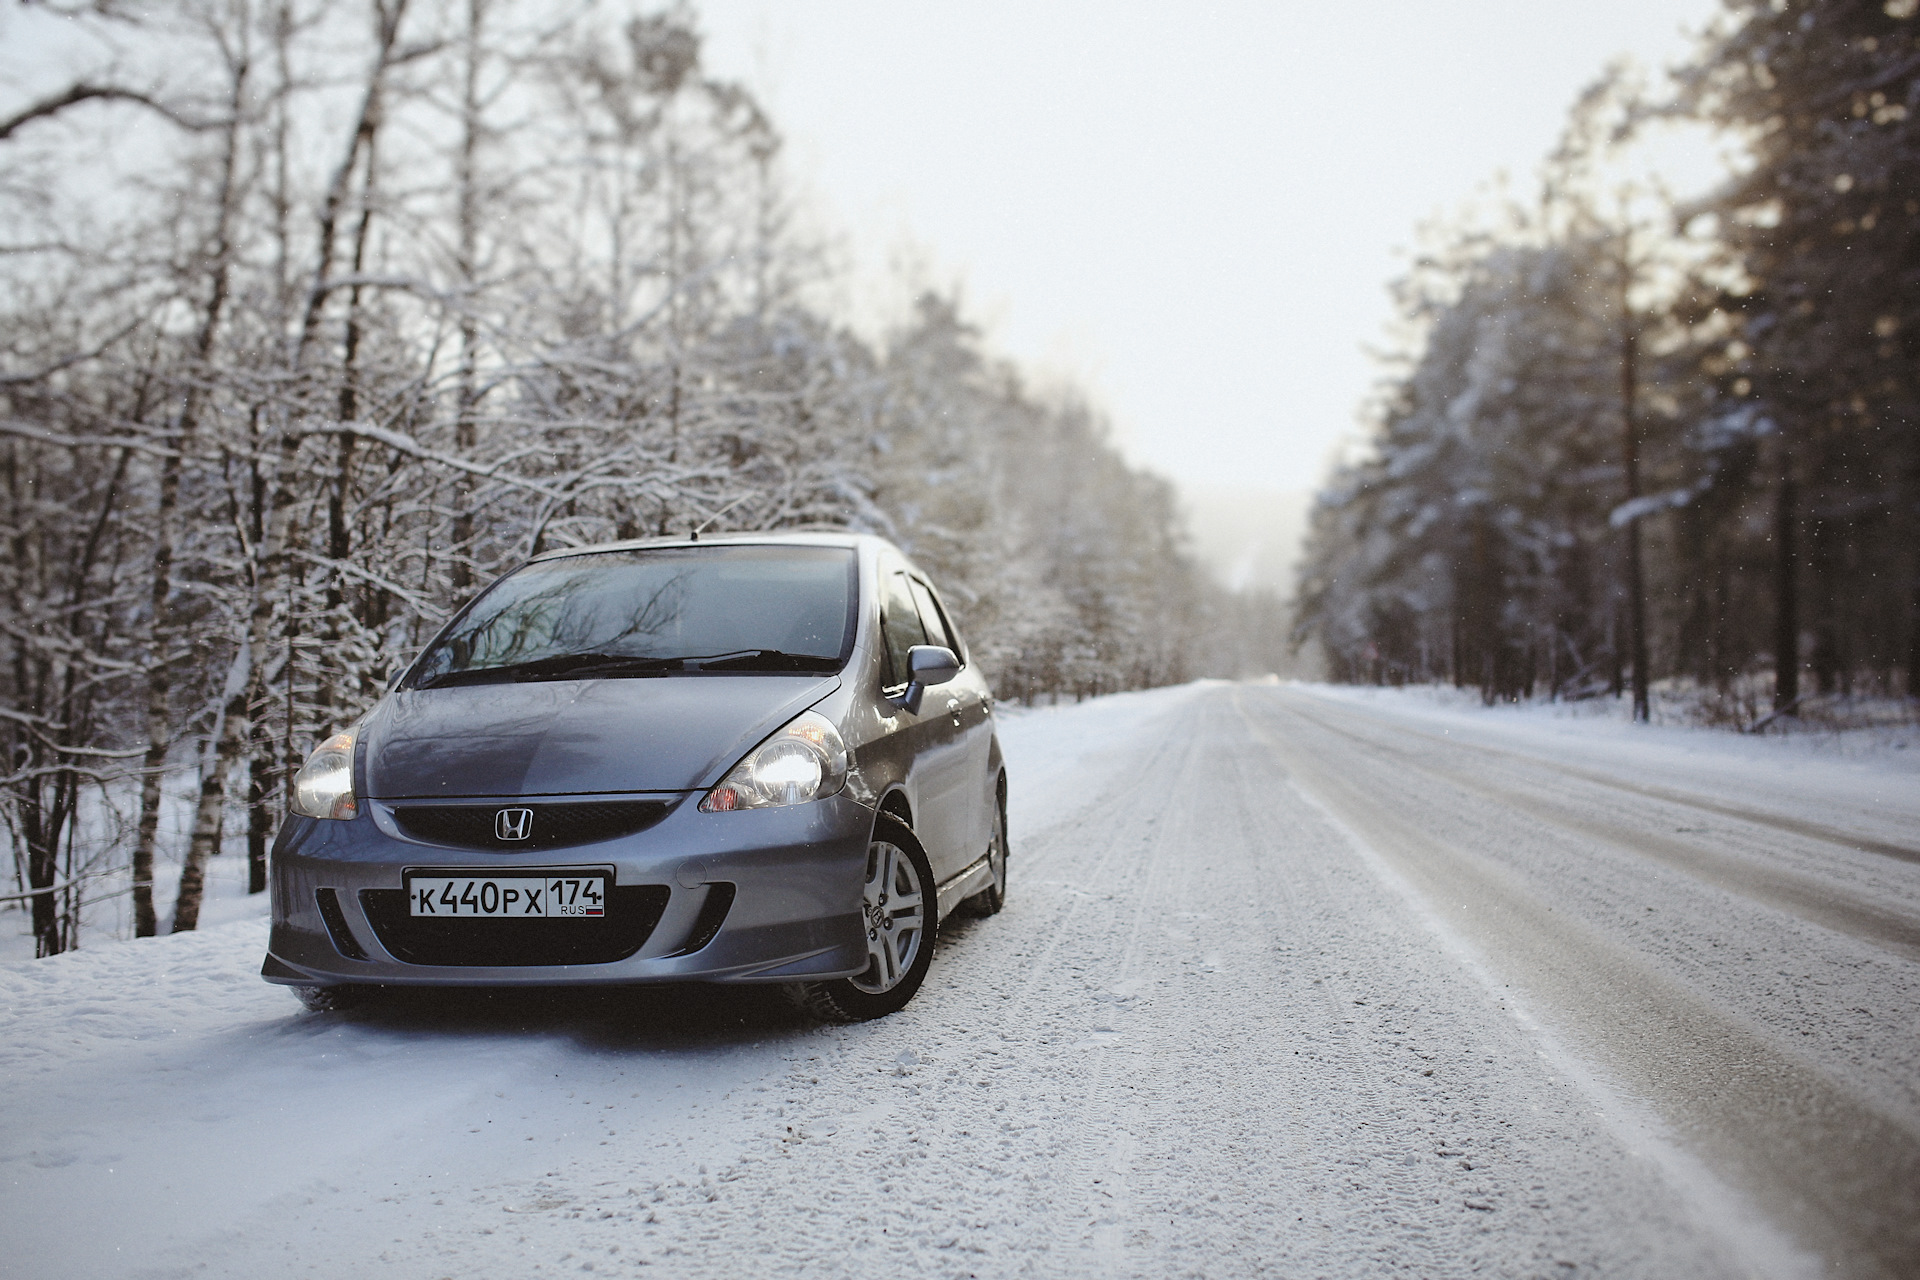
513	824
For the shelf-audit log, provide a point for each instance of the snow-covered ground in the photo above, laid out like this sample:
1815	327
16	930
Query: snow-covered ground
1292	981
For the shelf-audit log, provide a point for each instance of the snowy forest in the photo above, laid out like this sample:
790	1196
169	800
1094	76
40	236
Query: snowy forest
316	316
1638	444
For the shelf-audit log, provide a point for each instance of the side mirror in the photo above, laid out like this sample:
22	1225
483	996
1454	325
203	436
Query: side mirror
927	665
393	677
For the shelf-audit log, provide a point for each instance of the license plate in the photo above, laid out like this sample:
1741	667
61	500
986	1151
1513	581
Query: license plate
557	897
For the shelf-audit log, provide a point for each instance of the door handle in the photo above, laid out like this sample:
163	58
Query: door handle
954	707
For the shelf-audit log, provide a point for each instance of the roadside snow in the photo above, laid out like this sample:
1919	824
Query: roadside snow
1060	758
108	913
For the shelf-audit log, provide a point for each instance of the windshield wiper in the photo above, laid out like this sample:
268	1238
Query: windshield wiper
591	666
761	660
561	666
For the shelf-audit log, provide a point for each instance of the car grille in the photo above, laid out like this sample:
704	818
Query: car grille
632	913
555	826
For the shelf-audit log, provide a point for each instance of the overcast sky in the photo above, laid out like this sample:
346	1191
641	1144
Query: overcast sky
1192	209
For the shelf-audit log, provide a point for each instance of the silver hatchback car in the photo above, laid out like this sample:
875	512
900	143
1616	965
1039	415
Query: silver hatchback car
750	758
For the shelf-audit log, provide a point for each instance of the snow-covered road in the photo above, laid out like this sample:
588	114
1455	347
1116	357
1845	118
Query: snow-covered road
1292	982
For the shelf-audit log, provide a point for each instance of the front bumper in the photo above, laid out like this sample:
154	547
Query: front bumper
758	895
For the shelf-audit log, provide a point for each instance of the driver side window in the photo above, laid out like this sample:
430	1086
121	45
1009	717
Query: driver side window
900	622
931	619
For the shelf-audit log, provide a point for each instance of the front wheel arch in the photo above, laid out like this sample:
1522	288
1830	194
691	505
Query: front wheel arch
843	999
894	806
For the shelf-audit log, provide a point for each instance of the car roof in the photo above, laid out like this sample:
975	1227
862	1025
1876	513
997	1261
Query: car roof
773	537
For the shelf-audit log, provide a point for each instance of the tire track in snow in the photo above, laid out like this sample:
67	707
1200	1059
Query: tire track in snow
1822	832
1810	897
1094	1194
1261	941
1104	1163
1837	1001
1845	1174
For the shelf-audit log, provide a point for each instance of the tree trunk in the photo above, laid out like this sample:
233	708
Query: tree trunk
1824	660
339	536
261	770
260	788
230	740
1786	597
1617	679
41	830
1630	456
465	432
1913	637
145	922
166	519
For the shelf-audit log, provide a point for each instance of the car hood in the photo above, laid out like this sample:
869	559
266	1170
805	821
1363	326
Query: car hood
559	737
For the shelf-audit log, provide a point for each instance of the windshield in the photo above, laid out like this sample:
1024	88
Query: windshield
669	611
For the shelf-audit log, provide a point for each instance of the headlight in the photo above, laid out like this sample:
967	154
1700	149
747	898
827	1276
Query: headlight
804	761
324	786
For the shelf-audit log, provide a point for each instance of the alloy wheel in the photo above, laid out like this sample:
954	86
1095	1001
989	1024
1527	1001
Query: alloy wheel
895	907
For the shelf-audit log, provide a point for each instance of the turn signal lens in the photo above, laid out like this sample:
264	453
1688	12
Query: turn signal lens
804	761
324	786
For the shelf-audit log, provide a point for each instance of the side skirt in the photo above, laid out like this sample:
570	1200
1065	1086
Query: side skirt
977	876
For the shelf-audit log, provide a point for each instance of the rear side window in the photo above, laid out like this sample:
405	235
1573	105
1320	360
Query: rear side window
900	621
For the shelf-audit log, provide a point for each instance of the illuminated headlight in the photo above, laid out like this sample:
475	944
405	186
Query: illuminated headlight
804	761
324	786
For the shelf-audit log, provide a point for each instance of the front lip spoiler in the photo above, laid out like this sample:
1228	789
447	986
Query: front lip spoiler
804	966
276	970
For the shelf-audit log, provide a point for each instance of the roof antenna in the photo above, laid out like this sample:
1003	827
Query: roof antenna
693	535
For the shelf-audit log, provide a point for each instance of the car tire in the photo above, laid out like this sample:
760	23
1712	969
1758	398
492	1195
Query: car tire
991	899
897	870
